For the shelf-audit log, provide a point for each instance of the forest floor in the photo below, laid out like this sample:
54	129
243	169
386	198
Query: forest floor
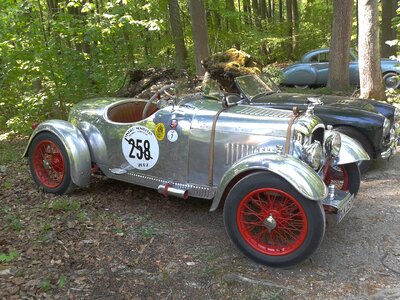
113	240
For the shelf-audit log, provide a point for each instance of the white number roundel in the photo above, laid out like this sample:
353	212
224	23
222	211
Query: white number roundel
140	147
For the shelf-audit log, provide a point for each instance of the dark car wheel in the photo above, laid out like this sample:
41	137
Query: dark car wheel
345	177
49	164
355	134
391	80
271	222
301	87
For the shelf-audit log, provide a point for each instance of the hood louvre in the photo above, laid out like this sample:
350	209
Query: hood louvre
265	112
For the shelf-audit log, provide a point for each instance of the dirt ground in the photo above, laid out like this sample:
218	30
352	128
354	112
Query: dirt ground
117	241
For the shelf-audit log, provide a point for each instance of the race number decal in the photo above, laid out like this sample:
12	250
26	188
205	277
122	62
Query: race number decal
140	147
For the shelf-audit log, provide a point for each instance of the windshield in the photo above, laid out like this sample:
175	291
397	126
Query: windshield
254	85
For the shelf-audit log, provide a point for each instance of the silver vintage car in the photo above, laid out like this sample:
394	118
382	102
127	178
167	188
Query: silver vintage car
274	171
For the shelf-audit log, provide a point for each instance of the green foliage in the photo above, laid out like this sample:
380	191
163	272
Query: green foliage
45	285
8	257
62	281
14	222
53	57
65	205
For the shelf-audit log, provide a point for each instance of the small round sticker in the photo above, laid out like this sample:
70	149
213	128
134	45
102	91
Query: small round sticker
160	131
173	123
140	147
172	136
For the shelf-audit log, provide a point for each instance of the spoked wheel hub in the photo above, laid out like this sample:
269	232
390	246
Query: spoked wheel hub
338	176
272	222
48	163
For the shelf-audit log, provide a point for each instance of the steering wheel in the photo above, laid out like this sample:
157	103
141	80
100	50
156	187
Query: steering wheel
157	96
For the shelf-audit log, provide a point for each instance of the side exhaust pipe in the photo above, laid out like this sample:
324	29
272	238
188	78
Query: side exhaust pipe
167	190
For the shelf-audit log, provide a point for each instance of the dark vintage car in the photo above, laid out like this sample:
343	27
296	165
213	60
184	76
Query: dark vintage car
275	172
313	69
372	123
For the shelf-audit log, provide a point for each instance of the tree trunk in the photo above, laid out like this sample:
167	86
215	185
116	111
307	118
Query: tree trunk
263	9
295	26
371	83
389	8
256	13
340	45
247	11
177	33
289	16
281	10
200	33
231	20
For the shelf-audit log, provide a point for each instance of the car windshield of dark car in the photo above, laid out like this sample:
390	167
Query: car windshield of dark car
253	86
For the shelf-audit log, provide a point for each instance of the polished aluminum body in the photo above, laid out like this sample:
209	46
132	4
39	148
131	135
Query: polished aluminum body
202	147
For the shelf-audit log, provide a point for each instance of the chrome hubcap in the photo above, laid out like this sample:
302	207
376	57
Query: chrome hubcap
270	223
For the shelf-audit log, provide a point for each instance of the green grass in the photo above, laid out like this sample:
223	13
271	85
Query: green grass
45	285
61	281
11	151
7	185
8	257
14	222
65	205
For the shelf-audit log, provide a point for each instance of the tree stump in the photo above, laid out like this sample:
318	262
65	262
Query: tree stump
225	66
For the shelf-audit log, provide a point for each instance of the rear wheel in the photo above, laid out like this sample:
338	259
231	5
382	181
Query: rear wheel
355	134
271	222
345	177
49	164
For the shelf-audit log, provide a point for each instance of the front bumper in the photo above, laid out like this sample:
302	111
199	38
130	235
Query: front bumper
392	145
340	201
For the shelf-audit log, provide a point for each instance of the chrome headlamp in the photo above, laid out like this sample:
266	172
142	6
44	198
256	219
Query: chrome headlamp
312	155
386	127
333	143
396	115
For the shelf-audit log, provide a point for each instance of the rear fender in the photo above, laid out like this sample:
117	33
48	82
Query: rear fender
302	177
300	74
75	145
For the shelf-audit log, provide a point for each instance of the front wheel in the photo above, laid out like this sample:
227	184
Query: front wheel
345	177
49	164
391	80
271	222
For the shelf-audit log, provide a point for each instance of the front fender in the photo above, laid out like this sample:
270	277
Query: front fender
75	145
302	177
350	151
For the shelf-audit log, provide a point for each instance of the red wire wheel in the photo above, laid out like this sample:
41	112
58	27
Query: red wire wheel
272	221
338	176
48	164
344	177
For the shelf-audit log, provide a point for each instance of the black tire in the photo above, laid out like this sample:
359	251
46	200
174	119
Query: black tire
345	177
391	80
49	164
302	87
300	223
355	134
